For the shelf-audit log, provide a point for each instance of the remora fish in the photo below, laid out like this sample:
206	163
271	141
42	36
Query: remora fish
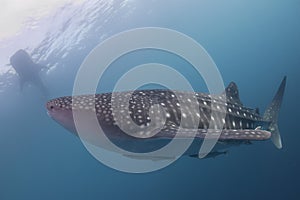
242	125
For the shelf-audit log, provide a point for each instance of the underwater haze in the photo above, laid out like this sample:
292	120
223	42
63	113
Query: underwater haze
253	43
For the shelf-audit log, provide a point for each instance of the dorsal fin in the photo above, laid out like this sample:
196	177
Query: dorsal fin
232	93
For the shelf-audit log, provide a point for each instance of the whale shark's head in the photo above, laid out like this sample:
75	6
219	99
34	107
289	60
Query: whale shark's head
60	110
91	111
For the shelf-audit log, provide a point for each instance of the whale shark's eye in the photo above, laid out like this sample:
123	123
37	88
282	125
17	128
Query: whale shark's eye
51	107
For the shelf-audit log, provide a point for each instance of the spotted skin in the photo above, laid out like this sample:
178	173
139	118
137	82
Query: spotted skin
217	117
239	124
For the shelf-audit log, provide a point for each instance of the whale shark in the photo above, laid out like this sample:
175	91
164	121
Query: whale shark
240	125
27	70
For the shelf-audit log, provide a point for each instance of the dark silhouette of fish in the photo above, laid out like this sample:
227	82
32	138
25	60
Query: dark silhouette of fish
242	125
211	154
27	70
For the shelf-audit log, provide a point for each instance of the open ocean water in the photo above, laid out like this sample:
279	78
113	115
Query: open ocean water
254	43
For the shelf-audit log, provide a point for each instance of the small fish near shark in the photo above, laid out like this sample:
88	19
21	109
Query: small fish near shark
241	125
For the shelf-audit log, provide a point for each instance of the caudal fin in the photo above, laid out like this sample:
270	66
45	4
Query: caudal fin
271	114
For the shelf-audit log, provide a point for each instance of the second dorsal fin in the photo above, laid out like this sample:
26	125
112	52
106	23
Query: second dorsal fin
232	93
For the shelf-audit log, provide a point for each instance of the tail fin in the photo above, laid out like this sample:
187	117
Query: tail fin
271	114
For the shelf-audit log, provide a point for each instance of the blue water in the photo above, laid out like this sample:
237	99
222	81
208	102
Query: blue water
253	43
